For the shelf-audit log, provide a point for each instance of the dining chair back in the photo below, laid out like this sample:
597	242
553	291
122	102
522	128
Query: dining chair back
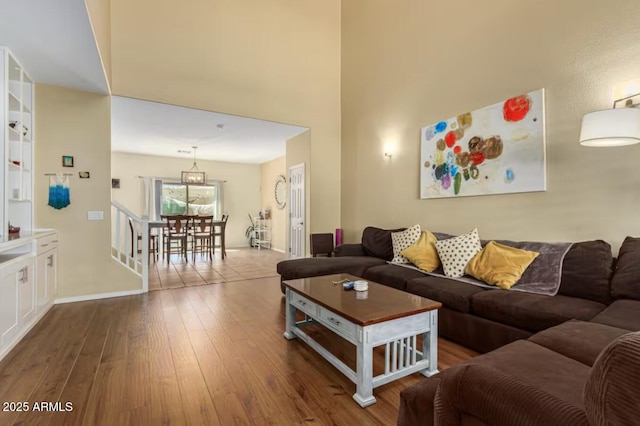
175	234
153	242
202	236
220	233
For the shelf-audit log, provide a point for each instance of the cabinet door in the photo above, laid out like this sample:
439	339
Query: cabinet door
41	282
9	304
52	275
27	296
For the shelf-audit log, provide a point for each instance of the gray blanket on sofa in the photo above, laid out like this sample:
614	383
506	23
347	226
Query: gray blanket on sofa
541	277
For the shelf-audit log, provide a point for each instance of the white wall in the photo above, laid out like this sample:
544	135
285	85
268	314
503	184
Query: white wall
241	191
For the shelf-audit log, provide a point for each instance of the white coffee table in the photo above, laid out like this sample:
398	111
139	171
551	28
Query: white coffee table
384	316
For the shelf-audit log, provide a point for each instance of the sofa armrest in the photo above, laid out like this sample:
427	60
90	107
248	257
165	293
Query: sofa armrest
497	398
349	250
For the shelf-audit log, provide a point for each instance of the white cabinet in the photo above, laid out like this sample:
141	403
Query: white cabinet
46	275
28	284
9	304
18	298
262	233
26	290
17	137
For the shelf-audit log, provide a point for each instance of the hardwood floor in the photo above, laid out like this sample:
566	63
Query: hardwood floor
205	355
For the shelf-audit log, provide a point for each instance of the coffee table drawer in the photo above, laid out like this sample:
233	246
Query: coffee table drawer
303	304
337	323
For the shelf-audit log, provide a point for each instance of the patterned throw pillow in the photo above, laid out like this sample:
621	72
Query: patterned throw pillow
403	240
456	252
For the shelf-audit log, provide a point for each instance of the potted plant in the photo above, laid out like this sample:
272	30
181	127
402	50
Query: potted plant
250	232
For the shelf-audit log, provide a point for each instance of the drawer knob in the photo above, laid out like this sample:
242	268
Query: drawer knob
302	303
335	321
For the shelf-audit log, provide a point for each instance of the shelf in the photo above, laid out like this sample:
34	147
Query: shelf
13	167
26	109
20	200
14	135
14	102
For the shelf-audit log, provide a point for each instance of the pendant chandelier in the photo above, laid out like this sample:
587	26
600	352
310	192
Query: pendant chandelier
194	176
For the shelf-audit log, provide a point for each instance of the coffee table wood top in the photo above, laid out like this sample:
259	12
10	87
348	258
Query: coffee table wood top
381	303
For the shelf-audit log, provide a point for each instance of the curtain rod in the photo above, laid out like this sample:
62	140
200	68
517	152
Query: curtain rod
56	174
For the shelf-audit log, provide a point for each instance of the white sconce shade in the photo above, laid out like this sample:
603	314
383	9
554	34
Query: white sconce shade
611	127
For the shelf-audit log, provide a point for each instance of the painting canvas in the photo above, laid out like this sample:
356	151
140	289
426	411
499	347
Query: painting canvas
498	149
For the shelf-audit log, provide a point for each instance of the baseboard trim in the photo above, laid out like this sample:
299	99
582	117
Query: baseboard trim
97	296
278	250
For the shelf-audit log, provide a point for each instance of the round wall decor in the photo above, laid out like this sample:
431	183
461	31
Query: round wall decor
281	192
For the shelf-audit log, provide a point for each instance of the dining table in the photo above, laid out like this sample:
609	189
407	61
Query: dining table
161	224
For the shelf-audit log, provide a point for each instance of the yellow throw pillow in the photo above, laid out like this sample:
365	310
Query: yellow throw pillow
423	252
500	265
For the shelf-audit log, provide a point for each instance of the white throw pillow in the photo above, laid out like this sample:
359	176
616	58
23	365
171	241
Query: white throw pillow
403	240
456	252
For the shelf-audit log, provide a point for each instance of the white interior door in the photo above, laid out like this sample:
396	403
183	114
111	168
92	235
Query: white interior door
296	211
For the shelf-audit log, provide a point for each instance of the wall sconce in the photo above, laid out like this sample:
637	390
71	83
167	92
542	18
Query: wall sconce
614	127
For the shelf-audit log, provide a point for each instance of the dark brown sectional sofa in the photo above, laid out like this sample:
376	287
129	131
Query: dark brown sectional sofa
536	346
481	319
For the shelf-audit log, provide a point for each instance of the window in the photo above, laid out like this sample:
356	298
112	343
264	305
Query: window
176	198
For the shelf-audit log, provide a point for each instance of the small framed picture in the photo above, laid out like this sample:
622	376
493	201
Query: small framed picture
67	161
84	175
115	183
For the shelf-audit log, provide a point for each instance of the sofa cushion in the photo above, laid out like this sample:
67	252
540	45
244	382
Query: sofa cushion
500	265
456	252
423	252
452	294
416	403
313	267
550	371
402	240
586	271
377	242
611	394
626	278
391	275
532	311
579	340
622	314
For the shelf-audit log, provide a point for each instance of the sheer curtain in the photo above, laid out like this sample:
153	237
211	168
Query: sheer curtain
151	197
219	203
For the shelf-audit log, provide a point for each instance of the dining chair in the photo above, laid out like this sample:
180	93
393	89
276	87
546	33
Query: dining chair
222	225
202	235
153	242
175	233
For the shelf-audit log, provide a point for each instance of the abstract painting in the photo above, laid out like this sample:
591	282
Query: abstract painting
498	149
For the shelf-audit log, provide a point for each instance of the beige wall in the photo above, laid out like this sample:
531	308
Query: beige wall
100	16
70	122
277	60
269	172
241	191
299	152
413	63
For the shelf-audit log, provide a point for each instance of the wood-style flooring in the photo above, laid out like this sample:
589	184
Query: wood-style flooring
239	264
204	355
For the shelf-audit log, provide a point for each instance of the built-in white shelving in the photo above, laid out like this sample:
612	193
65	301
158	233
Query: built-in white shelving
16	122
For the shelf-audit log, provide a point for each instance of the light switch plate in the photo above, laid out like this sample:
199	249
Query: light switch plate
95	215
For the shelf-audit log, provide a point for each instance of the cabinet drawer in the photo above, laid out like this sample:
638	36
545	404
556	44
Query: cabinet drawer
337	323
47	243
303	304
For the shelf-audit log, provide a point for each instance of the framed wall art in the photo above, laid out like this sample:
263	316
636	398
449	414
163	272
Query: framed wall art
498	149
